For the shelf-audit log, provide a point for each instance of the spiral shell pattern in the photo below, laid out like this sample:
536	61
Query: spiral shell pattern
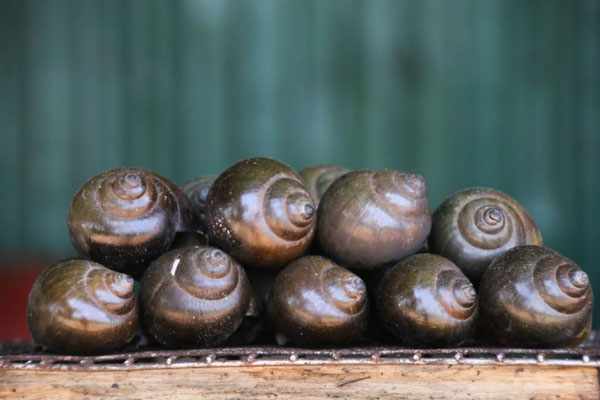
124	218
474	226
426	300
79	306
533	296
259	211
197	191
195	296
369	219
316	302
319	177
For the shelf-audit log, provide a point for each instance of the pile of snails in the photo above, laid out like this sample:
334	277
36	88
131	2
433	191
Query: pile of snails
324	257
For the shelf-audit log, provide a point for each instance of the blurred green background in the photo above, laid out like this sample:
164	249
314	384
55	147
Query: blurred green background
504	94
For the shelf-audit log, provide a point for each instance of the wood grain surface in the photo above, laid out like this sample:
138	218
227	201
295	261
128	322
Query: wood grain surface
308	382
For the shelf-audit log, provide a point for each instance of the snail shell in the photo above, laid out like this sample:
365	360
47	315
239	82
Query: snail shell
474	226
369	219
532	296
319	177
259	211
197	191
316	302
126	217
193	296
426	300
79	306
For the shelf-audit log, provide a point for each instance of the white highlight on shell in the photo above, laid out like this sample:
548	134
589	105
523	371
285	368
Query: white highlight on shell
174	267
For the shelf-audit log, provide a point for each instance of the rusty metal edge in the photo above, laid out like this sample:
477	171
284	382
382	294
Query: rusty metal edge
273	356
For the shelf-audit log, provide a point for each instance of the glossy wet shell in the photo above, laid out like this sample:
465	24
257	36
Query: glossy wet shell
316	302
79	306
195	296
259	211
532	296
370	219
125	218
425	300
319	177
474	226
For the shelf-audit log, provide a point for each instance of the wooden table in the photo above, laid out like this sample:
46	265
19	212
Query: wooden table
272	372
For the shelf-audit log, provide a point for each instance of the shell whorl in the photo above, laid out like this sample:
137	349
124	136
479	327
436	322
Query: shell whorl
426	300
489	223
319	177
127	195
127	217
474	226
79	306
194	296
408	197
347	291
314	301
288	209
561	283
456	294
206	273
369	219
197	191
533	296
112	290
259	211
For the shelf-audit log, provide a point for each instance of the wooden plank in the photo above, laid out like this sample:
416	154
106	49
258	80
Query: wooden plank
306	382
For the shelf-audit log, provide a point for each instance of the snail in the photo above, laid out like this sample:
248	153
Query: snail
79	306
474	226
197	191
124	218
532	296
425	300
319	177
316	302
194	296
369	219
259	211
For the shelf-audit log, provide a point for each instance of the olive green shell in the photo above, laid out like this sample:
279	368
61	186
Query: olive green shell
474	226
259	211
79	306
425	300
319	177
193	296
125	218
197	191
316	302
532	296
369	219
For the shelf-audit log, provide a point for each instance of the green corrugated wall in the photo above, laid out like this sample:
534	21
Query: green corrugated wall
503	94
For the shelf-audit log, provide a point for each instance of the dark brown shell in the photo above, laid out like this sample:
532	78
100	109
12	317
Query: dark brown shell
369	219
79	306
197	191
425	300
189	239
316	302
124	218
474	226
193	296
259	211
532	296
319	177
